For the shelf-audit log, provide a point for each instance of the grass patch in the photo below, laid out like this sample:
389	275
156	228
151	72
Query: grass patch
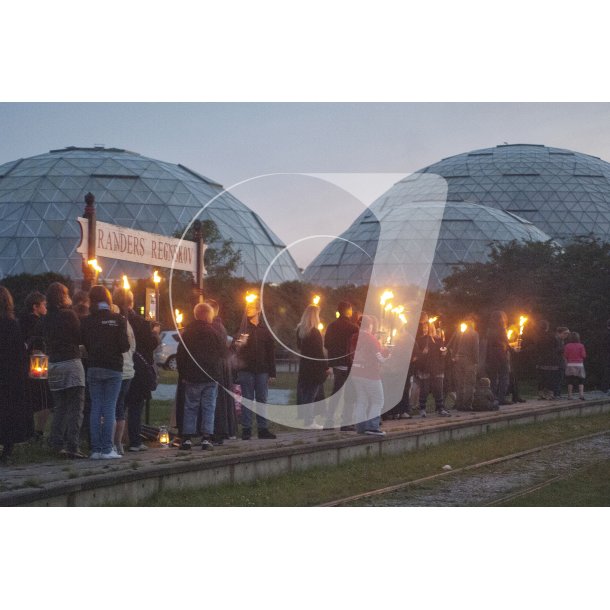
160	412
587	487
167	377
319	485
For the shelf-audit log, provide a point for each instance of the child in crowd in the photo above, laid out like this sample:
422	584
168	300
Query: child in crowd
484	399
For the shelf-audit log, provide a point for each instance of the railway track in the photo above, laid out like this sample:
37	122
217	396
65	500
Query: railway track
473	467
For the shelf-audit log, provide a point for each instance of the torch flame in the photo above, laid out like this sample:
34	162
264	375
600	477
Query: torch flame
522	321
179	316
126	283
388	307
463	327
432	320
509	333
156	277
386	296
402	318
316	300
250	298
320	327
93	263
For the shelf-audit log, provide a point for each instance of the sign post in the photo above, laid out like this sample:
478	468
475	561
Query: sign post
200	270
89	273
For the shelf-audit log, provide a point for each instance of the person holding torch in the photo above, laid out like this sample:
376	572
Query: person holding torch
256	368
465	352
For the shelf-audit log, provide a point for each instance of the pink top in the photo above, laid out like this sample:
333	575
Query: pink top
574	353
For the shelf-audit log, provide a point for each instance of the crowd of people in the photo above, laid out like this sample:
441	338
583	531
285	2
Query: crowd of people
100	359
101	371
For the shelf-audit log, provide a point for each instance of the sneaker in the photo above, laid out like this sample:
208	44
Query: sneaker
96	455
375	432
217	440
186	445
443	413
120	449
246	434
314	426
141	447
405	416
422	413
63	453
264	433
232	438
112	455
206	445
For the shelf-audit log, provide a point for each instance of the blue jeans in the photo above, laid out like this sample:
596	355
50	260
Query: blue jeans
104	387
369	402
253	387
199	398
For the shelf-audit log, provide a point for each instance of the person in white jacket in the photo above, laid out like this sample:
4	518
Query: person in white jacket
122	299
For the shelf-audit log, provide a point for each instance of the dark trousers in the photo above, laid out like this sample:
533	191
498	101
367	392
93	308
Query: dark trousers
307	393
432	384
499	375
134	421
513	387
466	378
67	418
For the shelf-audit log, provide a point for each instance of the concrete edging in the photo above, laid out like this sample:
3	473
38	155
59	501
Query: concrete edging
137	485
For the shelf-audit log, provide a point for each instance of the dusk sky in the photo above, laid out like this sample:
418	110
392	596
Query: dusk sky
235	142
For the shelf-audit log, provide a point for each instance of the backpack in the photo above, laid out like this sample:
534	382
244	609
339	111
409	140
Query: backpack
145	371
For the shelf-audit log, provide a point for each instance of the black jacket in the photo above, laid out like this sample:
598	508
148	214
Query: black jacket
466	346
498	348
258	354
207	352
312	372
61	330
146	340
16	422
427	356
31	328
550	351
105	339
337	341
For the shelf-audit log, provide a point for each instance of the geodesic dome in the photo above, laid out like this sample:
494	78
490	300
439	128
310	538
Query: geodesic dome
41	197
564	193
495	195
465	235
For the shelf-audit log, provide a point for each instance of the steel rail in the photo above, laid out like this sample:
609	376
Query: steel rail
432	477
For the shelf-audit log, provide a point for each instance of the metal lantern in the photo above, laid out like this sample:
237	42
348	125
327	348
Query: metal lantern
164	436
39	365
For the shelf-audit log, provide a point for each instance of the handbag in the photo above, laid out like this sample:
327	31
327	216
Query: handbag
146	372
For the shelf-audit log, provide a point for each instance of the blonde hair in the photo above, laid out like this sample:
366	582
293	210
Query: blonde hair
309	320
